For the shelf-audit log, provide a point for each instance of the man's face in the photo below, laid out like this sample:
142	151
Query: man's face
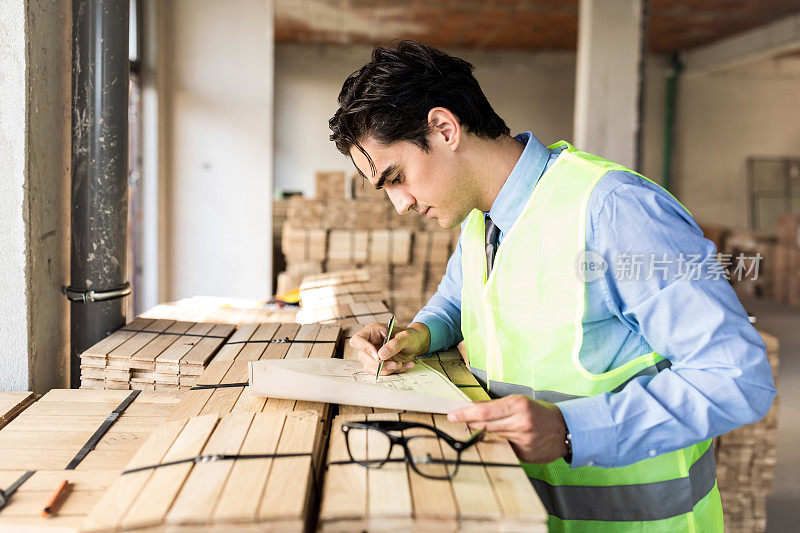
426	182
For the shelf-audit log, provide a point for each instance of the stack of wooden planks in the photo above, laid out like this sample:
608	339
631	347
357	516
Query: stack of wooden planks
395	497
152	354
50	433
220	416
746	460
347	298
220	311
272	489
13	403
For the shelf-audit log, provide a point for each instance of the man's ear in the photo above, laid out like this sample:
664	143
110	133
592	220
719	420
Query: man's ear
445	127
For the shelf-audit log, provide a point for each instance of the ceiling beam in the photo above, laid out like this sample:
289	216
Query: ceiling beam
762	42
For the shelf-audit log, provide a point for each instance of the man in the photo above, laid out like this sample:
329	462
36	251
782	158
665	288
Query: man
611	380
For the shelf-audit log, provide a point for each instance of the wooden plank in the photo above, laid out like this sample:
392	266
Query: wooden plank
474	494
13	403
432	498
156	496
198	496
153	349
344	495
236	504
391	479
288	490
103	347
113	505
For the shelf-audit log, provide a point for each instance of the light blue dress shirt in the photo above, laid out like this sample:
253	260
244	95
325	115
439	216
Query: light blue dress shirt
719	379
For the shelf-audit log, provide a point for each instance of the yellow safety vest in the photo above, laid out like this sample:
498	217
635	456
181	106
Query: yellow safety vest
523	332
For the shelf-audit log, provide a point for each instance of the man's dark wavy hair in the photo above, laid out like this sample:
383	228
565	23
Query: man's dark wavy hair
389	98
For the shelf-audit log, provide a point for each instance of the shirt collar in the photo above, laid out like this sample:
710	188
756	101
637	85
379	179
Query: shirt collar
520	183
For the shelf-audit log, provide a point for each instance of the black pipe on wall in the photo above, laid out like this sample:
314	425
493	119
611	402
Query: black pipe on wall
99	202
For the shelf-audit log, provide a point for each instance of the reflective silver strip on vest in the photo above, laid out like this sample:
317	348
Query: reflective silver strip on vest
631	503
498	389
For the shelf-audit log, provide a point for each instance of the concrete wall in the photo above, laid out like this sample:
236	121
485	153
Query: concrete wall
218	60
722	119
530	90
35	77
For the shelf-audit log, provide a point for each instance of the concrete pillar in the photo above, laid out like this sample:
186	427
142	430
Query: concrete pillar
35	44
607	81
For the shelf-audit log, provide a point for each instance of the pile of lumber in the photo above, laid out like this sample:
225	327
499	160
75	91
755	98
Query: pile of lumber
787	261
13	403
746	460
220	416
50	433
395	497
347	298
221	311
273	490
360	229
152	354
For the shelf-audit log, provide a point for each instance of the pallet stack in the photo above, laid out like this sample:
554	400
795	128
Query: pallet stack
497	498
746	460
152	354
13	403
272	489
787	261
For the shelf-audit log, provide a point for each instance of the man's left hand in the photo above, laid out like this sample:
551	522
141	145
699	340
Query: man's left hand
535	429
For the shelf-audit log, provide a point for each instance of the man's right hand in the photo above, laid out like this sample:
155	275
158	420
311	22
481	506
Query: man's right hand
401	349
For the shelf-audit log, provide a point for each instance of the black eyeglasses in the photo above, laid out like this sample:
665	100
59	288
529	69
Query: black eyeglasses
370	444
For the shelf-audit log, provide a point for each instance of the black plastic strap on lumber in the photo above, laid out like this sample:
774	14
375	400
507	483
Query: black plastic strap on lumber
173	333
7	493
432	461
285	340
199	459
220	386
104	427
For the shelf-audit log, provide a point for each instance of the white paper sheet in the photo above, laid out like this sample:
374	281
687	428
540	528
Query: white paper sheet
345	382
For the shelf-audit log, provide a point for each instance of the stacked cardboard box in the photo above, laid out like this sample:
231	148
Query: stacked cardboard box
746	460
786	282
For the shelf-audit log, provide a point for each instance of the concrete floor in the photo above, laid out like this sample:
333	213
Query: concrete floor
783	506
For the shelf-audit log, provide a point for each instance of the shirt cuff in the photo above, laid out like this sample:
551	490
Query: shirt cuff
591	426
437	328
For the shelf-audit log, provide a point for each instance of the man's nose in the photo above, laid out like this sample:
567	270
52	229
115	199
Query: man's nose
402	201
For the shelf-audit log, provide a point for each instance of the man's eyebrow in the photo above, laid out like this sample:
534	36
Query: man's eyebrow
391	169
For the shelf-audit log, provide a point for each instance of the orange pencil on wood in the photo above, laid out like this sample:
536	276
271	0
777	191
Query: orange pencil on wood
57	499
